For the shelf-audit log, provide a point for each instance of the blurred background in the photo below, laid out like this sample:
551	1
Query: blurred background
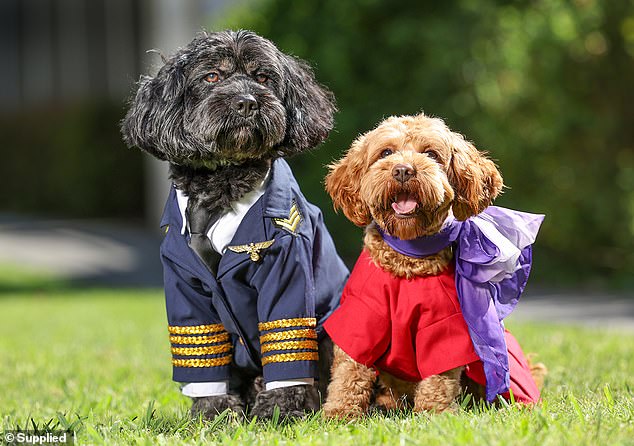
544	86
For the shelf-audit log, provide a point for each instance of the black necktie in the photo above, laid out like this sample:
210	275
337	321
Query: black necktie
199	221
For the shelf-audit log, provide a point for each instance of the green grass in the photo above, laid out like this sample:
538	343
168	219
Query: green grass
98	361
18	279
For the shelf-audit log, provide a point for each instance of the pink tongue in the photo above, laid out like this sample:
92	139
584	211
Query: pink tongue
404	205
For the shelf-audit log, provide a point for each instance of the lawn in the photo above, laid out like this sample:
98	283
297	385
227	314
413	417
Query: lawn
97	361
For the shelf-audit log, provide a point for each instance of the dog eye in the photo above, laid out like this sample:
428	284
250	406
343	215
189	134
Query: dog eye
212	78
433	155
261	78
386	152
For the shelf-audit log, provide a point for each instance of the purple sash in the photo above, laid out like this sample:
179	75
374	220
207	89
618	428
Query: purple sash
493	261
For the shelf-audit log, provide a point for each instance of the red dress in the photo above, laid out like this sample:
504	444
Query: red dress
413	328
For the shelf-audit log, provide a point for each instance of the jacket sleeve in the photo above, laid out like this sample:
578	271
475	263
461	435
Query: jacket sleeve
286	310
201	347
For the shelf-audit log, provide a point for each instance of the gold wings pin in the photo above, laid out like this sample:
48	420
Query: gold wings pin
252	248
292	222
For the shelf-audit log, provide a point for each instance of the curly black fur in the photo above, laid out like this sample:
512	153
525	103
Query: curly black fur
326	349
186	115
211	406
182	117
250	393
293	402
218	188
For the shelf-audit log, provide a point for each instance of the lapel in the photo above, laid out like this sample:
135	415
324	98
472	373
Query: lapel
171	212
276	202
175	247
278	197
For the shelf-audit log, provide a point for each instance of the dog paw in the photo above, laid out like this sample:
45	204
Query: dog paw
293	402
211	406
438	393
437	407
342	411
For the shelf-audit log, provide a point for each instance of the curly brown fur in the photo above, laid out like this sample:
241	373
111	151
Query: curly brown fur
438	393
351	389
393	393
401	265
407	176
448	174
355	389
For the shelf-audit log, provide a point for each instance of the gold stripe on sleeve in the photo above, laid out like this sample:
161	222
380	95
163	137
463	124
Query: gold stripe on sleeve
288	335
196	329
290	345
287	323
289	357
210	362
222	337
197	351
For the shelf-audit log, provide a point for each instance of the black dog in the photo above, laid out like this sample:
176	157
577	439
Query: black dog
224	111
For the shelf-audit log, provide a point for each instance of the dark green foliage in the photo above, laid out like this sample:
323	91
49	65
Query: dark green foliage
70	162
544	86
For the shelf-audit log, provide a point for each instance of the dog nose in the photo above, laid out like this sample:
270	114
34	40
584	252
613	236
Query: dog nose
403	172
245	105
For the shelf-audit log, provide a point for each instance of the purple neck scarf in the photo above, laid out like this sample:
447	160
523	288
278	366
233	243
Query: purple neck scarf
493	261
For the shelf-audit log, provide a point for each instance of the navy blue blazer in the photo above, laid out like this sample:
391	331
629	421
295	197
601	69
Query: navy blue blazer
263	310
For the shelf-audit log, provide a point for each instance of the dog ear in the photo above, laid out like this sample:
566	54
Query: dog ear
474	177
343	184
309	107
154	121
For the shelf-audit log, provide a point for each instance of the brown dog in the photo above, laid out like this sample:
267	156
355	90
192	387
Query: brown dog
406	178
